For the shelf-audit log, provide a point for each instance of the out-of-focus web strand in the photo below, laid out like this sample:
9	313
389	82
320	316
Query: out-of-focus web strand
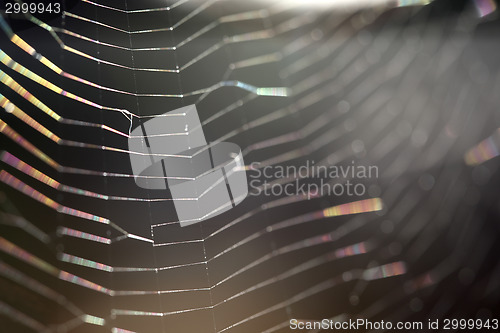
356	249
339	253
334	44
342	34
15	86
15	183
14	136
289	155
34	173
424	280
445	66
261	120
17	112
357	207
244	16
21	317
427	280
252	61
431	277
198	10
89	263
13	161
176	4
289	5
251	36
300	151
389	270
350	208
251	15
301	104
299	245
259	60
134	11
27	51
312	127
384	271
64	231
324	139
484	151
363	206
20	278
23	255
15	251
236	83
85	318
279	91
10	180
120	330
12	84
7	80
23	224
9	62
283	54
380	272
58	140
